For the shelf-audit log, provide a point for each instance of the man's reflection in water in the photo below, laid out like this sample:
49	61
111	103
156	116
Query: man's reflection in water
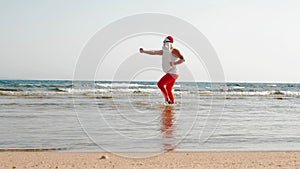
168	128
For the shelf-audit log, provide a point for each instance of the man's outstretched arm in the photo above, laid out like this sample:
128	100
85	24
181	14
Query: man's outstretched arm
151	52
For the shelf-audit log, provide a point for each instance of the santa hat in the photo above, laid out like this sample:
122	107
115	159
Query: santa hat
170	38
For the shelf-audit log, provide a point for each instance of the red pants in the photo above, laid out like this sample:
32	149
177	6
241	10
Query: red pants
166	84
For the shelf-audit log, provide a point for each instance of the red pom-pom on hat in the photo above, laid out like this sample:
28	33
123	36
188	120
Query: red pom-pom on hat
170	38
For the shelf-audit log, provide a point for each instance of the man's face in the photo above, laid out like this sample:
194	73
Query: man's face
166	41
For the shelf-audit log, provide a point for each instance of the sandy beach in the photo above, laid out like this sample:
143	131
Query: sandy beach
205	160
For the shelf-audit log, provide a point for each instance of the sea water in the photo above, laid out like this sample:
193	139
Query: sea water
132	116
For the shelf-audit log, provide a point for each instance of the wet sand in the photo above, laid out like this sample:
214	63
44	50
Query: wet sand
213	160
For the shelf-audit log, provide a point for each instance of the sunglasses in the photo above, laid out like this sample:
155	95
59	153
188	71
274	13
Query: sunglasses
167	40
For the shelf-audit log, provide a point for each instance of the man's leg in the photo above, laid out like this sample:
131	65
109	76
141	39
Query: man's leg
169	88
166	79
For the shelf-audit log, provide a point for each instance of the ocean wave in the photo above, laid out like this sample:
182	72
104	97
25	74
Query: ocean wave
236	88
72	91
264	93
143	91
91	88
247	93
120	85
24	85
10	89
57	89
27	93
127	85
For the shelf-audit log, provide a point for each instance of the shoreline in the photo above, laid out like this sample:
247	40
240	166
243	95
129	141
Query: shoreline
215	160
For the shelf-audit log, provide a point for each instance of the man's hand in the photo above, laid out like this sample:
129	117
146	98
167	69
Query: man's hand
141	50
172	64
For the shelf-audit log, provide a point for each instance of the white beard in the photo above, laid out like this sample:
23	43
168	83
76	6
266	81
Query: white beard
167	46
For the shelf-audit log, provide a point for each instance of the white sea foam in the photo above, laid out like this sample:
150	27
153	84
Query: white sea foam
124	88
128	85
236	87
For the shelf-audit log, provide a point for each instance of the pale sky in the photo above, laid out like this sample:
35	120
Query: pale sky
256	41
